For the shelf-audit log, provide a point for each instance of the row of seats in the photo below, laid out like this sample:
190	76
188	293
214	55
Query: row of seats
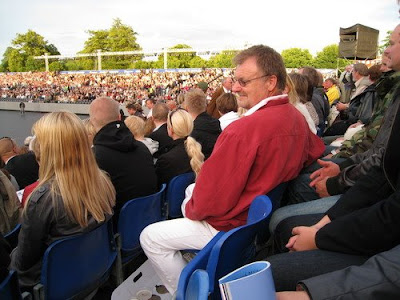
103	253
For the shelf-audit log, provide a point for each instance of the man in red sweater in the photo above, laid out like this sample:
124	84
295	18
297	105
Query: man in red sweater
266	147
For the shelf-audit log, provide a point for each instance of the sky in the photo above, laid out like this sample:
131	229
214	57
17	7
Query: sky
203	25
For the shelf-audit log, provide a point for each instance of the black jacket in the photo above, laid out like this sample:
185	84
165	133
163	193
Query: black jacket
366	219
173	161
321	105
24	168
127	161
206	131
162	137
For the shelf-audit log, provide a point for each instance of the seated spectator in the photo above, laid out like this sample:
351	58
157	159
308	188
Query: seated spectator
297	86
184	153
252	156
331	90
160	133
206	129
227	108
226	87
9	205
23	167
73	195
317	95
361	104
127	161
149	105
136	126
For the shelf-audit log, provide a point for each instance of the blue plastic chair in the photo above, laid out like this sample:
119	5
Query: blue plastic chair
9	288
76	266
198	286
237	247
12	236
135	215
228	251
176	194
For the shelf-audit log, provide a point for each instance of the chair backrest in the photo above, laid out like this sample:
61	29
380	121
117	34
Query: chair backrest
135	215
12	236
176	194
237	247
9	287
198	286
78	264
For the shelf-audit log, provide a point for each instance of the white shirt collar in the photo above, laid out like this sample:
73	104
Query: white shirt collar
10	159
226	90
263	103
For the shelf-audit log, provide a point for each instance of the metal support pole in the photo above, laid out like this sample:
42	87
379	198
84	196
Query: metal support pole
46	61
99	59
165	58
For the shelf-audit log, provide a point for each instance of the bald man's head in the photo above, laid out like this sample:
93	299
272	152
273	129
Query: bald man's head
102	111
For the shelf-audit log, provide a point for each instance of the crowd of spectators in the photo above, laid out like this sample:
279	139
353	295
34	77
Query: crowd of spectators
78	87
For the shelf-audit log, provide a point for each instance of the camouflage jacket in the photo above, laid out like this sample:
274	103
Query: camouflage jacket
363	139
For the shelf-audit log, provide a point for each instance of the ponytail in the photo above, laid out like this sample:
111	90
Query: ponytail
193	149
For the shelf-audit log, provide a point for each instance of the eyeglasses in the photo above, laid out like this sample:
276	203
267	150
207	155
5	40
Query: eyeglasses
243	82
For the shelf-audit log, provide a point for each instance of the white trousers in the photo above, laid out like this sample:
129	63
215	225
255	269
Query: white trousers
162	241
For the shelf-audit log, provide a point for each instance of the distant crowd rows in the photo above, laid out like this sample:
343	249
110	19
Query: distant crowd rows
43	86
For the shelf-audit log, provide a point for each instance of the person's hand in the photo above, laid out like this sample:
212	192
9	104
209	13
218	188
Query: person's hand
320	188
329	169
328	156
303	239
341	106
355	124
299	295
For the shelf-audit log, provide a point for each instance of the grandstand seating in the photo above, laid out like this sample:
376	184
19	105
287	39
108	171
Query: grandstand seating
198	286
176	194
75	266
135	215
228	251
12	236
9	288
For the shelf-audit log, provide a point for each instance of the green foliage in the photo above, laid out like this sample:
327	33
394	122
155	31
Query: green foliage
385	42
296	57
57	65
197	62
119	37
19	57
222	60
142	65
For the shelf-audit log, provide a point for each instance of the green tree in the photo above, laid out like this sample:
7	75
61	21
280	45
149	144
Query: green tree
328	58
197	62
222	60
119	37
19	57
296	57
385	42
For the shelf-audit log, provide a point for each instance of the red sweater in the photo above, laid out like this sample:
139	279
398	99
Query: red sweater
251	157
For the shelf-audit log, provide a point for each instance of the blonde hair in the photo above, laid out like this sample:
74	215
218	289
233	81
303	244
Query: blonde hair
90	130
291	91
68	165
136	126
182	124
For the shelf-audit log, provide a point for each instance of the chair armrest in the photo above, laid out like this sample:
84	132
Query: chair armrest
38	292
26	296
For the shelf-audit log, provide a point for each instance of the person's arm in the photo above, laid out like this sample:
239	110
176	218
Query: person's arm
377	278
35	225
366	231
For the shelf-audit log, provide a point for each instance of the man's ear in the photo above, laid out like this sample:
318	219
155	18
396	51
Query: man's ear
271	83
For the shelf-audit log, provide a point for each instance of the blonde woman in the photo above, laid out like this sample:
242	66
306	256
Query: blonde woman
137	126
184	153
296	88
73	194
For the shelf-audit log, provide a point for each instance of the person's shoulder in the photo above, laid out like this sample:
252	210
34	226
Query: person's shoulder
40	194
